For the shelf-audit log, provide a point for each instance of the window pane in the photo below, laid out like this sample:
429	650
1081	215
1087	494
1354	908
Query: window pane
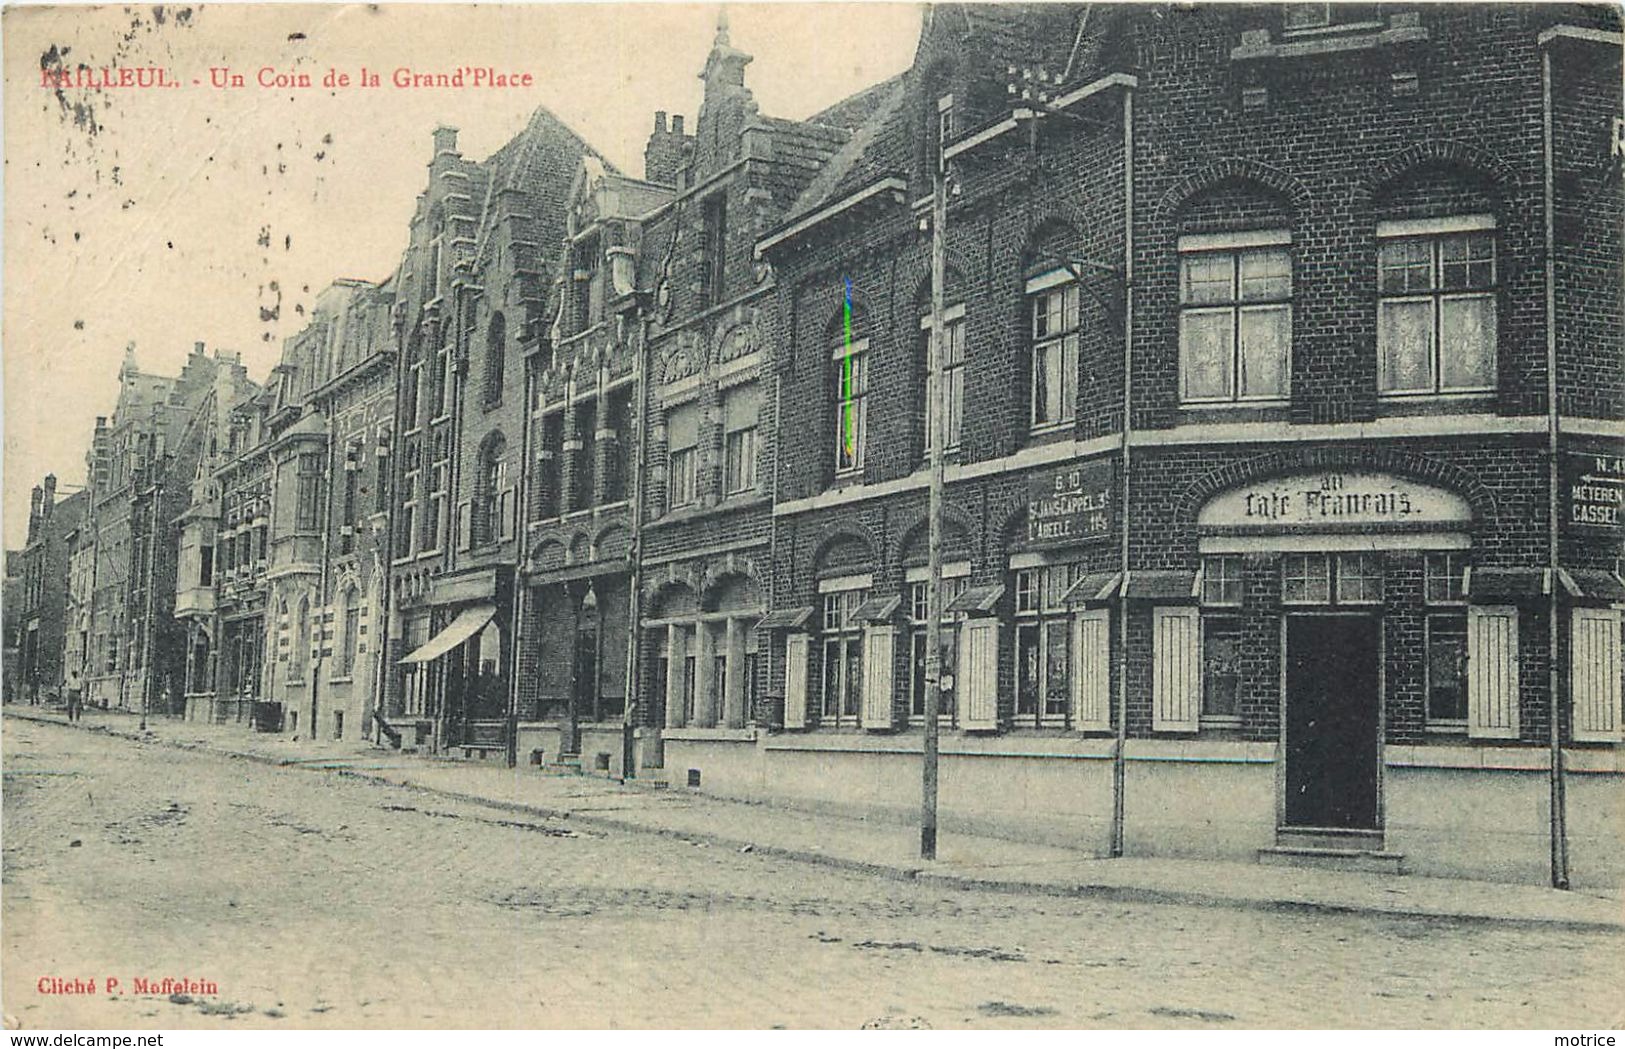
1447	668
1057	666
1028	668
1266	274
1209	278
1467	342
1047	390
1444	578
1205	353
1221	666
854	677
1359	578
1467	261
1069	378
1266	335
1405	266
1404	341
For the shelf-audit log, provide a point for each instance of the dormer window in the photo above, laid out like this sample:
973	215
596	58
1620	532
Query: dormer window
1298	18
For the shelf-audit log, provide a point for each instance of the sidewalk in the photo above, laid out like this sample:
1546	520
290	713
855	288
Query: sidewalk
884	849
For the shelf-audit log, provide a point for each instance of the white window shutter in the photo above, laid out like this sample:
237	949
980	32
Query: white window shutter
879	644
796	647
978	678
1594	674
505	513
1092	671
1176	678
1492	672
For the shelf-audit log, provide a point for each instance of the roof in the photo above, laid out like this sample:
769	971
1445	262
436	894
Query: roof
1593	583
1489	586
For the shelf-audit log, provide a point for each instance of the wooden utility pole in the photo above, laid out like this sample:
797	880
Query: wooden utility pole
936	436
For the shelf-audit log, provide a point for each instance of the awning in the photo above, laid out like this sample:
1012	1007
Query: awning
877	608
1160	585
1592	583
468	623
976	599
1096	586
785	618
1497	586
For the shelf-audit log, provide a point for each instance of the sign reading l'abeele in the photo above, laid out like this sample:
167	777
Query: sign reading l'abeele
1070	505
1593	492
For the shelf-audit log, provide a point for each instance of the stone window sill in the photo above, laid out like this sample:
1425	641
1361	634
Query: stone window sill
1403	27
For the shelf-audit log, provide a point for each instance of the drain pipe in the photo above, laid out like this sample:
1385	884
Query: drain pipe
1558	785
1120	750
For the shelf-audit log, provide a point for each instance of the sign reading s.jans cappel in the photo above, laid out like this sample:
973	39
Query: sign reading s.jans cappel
1592	490
1335	500
1070	505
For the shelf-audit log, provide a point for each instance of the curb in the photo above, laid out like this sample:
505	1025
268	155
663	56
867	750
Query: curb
918	875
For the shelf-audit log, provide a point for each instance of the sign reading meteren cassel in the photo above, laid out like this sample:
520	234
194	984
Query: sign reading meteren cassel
1070	505
1334	500
1592	490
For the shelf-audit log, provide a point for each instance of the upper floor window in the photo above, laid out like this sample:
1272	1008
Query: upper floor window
1235	316
851	391
1054	299
714	276
494	517
550	472
740	409
1309	17
589	283
683	459
583	490
618	433
496	345
945	130
307	492
1436	318
951	394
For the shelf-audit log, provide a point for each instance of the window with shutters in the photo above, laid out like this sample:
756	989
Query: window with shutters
1445	629
1176	678
1235	317
683	456
1492	671
978	681
1436	312
1594	675
797	648
1044	644
841	668
741	405
879	652
948	643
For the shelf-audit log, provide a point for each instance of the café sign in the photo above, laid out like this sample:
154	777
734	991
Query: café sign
1335	500
1592	492
1070	505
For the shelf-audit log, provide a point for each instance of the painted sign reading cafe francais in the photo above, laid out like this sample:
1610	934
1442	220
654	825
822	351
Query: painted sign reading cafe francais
1335	500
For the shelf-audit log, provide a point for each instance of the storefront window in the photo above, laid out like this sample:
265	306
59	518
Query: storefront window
1044	642
948	645
842	686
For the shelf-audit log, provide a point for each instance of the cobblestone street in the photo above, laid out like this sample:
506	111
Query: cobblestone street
313	899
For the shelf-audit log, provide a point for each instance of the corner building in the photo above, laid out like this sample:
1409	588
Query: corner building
1307	587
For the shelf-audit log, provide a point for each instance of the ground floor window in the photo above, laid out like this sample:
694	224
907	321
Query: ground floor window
1221	668
948	643
1043	643
841	686
1446	670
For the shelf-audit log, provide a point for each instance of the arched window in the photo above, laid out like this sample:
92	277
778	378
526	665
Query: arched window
849	386
496	344
493	496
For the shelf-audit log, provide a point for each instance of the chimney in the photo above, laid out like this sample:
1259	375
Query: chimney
667	152
197	348
48	500
445	141
34	499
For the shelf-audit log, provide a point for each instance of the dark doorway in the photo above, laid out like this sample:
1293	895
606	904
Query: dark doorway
1332	687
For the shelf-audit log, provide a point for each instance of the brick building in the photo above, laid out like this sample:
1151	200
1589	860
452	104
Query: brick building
41	611
471	295
1313	241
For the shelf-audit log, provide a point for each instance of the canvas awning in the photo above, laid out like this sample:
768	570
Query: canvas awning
976	599
1160	585
1496	586
468	623
877	608
1094	587
1594	583
785	618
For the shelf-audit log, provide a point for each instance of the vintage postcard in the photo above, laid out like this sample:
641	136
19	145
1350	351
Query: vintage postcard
864	515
